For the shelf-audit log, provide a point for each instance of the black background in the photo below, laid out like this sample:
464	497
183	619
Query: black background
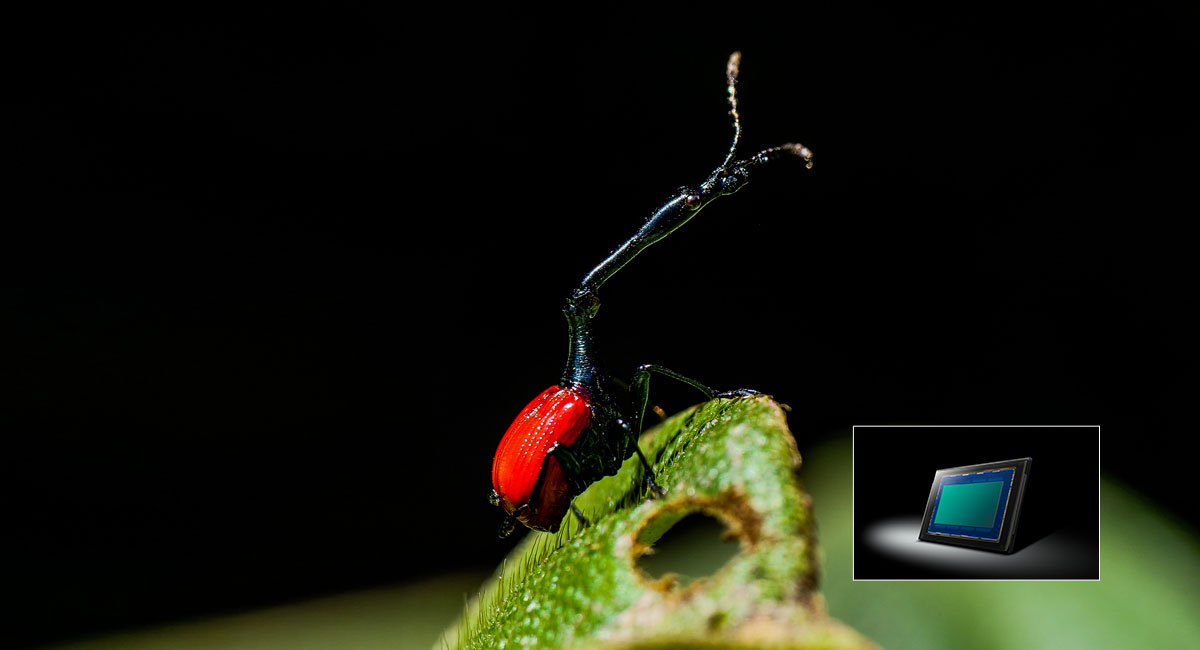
281	280
894	469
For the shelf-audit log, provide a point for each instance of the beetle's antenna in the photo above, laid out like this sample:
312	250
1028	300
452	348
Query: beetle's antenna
731	74
774	153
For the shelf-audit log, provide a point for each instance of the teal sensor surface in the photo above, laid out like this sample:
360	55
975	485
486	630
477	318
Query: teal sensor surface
976	505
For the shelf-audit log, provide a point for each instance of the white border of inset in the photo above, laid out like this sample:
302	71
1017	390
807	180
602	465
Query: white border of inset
854	484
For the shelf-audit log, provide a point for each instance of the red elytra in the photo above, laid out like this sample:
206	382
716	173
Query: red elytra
558	415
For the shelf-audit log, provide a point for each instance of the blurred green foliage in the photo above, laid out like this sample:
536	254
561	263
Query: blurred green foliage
1148	595
399	618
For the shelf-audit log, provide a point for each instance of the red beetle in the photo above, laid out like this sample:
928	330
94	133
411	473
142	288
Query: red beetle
529	482
574	434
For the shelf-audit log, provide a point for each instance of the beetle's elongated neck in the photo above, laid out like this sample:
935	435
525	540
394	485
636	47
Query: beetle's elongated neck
663	222
583	304
581	369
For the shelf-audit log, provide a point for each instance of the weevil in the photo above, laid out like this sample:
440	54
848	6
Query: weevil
575	432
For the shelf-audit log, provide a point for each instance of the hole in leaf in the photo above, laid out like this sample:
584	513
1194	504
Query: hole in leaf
693	548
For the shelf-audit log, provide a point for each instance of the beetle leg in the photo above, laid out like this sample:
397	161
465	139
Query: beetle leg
510	521
640	390
631	440
506	526
579	515
623	385
640	393
654	486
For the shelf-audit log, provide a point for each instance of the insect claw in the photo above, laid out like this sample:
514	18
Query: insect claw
506	526
656	490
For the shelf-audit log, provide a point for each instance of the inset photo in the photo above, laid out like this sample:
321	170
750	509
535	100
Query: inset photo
976	502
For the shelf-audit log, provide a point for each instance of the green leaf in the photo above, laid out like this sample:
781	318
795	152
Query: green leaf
731	459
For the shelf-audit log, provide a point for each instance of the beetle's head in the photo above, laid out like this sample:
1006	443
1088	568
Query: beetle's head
732	175
725	180
692	199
